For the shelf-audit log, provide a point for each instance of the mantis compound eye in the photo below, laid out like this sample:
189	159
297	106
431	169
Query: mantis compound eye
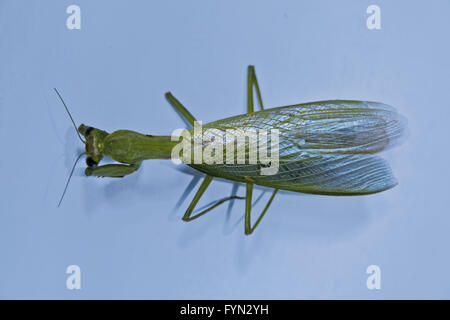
91	162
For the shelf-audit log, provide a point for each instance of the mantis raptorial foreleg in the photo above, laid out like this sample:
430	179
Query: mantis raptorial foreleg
112	170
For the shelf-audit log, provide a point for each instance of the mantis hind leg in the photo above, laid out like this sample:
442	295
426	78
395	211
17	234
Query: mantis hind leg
180	108
252	81
248	207
112	170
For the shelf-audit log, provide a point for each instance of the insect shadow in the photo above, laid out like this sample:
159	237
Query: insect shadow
316	220
229	225
319	219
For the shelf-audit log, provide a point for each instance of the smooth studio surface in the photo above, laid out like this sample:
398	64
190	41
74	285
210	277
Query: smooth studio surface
126	235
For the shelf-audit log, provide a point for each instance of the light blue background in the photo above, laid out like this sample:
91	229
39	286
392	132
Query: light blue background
127	235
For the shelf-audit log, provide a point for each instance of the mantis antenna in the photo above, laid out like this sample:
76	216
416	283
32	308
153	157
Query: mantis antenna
70	176
68	112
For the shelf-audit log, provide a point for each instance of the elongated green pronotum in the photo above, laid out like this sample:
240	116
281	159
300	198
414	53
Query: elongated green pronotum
323	147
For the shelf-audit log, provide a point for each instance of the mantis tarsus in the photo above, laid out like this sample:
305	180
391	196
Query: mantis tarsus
326	147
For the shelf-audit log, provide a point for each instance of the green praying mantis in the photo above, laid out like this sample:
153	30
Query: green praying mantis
323	147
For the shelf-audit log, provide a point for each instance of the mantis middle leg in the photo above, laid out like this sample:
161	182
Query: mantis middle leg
180	108
252	81
206	181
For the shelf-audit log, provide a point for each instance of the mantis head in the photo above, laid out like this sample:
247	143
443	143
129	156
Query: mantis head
94	144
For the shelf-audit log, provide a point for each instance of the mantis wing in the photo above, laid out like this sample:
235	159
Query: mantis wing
328	174
325	147
333	174
327	126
